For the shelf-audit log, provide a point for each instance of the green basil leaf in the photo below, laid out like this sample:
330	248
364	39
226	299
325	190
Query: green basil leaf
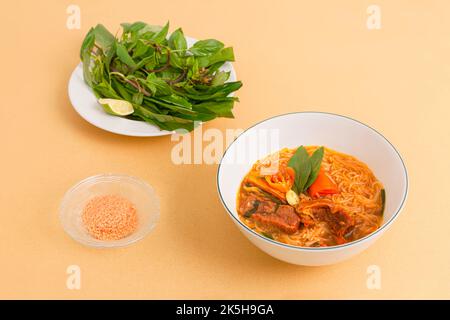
178	101
120	89
133	27
165	122
316	161
137	98
162	34
88	43
206	47
161	87
220	108
103	38
176	61
141	49
218	92
104	90
302	167
85	54
123	55
194	70
170	106
177	41
223	55
110	55
215	67
145	62
219	78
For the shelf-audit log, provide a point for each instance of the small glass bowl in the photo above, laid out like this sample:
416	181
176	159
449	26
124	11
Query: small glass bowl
137	191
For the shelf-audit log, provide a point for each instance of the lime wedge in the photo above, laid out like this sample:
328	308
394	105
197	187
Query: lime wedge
116	107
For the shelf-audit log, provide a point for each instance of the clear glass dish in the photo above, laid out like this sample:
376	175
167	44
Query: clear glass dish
137	191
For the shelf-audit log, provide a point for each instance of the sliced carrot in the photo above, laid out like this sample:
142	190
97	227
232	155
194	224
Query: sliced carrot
323	185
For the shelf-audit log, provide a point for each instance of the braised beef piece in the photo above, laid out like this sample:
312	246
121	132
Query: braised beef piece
266	207
324	210
248	204
284	219
270	214
252	204
337	221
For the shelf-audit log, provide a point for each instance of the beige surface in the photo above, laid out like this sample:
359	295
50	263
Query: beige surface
291	56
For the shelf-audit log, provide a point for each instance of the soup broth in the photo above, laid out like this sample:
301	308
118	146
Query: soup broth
292	197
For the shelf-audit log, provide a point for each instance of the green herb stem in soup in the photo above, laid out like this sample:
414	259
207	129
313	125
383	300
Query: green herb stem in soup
311	197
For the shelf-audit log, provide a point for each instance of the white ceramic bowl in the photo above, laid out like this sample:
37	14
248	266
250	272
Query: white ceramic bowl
137	191
313	128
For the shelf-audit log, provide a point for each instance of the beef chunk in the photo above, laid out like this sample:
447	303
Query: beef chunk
324	210
266	207
284	219
248	204
252	204
338	221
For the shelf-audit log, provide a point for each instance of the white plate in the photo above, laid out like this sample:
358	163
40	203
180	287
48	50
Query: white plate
85	103
314	128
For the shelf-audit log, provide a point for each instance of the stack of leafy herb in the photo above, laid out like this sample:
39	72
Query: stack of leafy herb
163	82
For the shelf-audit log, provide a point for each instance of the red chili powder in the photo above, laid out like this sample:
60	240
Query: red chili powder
110	217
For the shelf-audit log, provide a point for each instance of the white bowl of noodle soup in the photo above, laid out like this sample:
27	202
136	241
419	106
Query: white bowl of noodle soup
333	131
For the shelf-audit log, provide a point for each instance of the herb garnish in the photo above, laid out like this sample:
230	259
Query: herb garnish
169	84
306	168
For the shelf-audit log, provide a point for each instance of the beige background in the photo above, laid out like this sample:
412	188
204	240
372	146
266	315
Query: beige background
291	56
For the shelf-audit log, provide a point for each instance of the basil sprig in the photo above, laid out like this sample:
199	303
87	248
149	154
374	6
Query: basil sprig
306	168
